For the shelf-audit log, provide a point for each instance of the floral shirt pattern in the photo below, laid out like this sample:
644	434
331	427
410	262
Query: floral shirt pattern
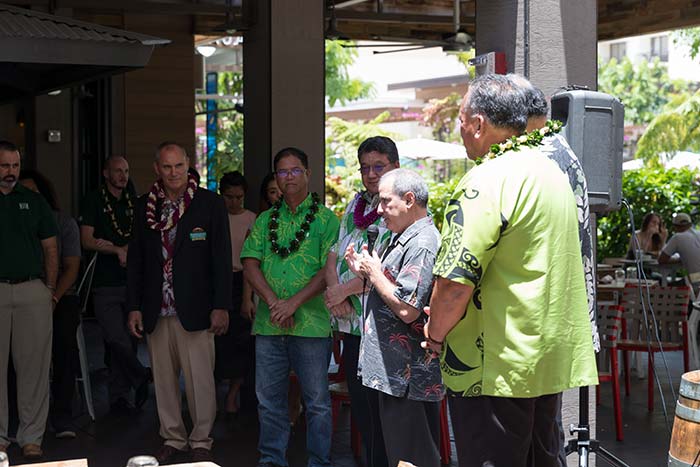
511	232
349	233
558	150
391	358
287	276
167	237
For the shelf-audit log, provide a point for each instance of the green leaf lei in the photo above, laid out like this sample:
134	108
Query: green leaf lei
116	228
299	236
514	143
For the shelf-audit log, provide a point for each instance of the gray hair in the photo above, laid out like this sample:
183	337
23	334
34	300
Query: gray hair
502	102
404	181
536	101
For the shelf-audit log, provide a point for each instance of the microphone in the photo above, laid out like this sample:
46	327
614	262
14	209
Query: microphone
372	234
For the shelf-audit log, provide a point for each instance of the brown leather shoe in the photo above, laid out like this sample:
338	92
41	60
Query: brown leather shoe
32	451
168	454
201	455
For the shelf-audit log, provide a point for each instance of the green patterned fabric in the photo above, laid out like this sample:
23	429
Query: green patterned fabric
351	234
287	276
511	232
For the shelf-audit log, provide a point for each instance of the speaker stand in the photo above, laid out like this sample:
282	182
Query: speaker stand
583	444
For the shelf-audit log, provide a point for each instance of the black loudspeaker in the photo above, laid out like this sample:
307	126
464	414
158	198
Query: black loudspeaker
594	128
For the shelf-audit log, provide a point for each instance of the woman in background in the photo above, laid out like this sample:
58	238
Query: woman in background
652	236
234	350
269	192
66	316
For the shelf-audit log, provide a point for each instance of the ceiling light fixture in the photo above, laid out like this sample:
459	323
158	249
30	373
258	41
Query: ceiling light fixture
206	50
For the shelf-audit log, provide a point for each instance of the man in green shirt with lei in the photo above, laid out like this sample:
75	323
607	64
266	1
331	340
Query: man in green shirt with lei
283	258
509	310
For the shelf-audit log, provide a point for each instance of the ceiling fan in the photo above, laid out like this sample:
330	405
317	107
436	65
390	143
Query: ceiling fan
331	33
459	41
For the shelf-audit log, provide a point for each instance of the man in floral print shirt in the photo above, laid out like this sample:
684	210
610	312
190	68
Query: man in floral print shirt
392	361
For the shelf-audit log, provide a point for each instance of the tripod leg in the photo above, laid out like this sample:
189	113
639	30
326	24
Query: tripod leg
609	457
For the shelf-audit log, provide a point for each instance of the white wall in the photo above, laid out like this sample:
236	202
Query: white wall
680	65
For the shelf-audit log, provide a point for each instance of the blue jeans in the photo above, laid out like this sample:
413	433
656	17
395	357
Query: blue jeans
309	358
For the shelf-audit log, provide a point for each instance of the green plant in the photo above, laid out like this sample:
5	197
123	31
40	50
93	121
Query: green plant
650	189
339	86
440	194
674	130
644	88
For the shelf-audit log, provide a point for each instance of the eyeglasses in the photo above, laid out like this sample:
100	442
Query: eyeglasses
377	168
284	173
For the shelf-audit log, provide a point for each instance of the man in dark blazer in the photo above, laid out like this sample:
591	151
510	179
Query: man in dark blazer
179	277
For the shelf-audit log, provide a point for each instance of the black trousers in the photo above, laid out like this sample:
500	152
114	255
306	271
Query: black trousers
66	318
506	432
364	405
411	430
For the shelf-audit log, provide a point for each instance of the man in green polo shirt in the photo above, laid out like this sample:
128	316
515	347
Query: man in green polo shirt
106	220
509	310
27	246
284	258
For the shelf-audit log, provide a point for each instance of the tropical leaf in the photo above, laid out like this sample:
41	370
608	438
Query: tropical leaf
674	130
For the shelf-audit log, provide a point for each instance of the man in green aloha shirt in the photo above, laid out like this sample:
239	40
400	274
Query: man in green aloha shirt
509	310
283	258
377	155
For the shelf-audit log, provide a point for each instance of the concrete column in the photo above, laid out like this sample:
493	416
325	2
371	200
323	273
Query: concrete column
283	60
554	48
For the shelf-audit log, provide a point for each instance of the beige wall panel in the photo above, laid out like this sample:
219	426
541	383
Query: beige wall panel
159	100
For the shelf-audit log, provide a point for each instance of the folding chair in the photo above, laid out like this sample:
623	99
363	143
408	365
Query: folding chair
80	337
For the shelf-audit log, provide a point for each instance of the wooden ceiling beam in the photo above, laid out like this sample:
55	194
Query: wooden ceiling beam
131	6
623	18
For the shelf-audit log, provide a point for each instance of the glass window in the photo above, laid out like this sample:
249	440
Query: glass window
618	51
659	47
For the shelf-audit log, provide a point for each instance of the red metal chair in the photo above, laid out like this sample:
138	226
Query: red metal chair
639	329
340	395
610	325
445	446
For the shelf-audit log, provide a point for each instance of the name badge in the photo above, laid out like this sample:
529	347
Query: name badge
24	206
198	234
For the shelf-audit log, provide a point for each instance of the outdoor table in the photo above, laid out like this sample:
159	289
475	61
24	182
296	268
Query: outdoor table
609	294
664	270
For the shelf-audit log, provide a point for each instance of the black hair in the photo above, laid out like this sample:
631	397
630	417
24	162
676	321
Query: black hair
265	202
231	179
500	101
8	146
192	171
380	144
44	185
291	151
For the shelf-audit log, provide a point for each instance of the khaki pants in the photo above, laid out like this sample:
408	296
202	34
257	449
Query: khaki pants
173	350
26	326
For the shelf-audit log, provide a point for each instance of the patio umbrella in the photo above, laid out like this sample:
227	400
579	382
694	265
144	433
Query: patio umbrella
421	148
